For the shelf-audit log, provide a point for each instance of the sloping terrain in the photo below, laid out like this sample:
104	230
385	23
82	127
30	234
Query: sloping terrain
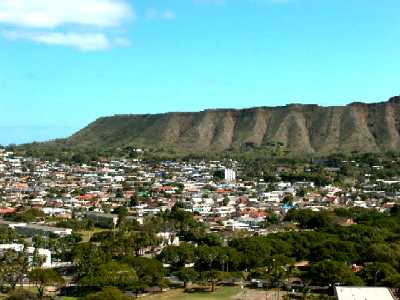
300	129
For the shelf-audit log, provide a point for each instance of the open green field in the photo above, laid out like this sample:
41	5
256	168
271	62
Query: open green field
222	293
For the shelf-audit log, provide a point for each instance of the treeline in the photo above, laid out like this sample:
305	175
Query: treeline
330	250
320	253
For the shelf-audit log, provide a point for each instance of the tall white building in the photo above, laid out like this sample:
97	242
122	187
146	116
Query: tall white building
230	175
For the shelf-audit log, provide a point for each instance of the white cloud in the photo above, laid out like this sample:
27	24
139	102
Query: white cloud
54	13
81	41
154	14
87	25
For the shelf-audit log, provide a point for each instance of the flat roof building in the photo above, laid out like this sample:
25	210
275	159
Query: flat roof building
363	293
30	230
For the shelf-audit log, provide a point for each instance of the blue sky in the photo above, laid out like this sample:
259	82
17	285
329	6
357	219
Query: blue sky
63	65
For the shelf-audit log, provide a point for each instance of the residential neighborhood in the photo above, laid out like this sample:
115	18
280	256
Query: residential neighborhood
46	205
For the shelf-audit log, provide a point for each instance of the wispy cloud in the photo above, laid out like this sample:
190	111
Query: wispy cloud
81	41
82	24
155	14
53	13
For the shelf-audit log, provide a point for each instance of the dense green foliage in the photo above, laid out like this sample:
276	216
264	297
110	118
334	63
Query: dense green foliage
45	277
115	257
21	294
331	249
27	216
107	294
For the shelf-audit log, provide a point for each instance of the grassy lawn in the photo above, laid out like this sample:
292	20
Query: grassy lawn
222	293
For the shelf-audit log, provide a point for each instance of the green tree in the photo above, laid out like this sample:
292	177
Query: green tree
344	251
140	240
288	200
12	267
119	194
111	274
187	275
381	252
8	235
133	201
20	294
87	258
45	277
378	274
333	272
177	257
40	241
38	259
122	214
149	270
309	219
272	218
206	257
27	216
254	251
214	277
225	201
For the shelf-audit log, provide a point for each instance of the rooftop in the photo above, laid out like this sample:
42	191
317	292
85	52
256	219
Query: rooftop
363	293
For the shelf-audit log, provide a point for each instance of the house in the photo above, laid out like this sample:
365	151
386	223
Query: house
31	230
103	219
235	225
168	239
30	251
7	210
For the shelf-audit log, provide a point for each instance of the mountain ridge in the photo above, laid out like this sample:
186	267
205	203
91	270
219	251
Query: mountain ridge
299	129
394	99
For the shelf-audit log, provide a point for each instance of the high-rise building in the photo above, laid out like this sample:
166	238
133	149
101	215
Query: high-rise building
230	175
